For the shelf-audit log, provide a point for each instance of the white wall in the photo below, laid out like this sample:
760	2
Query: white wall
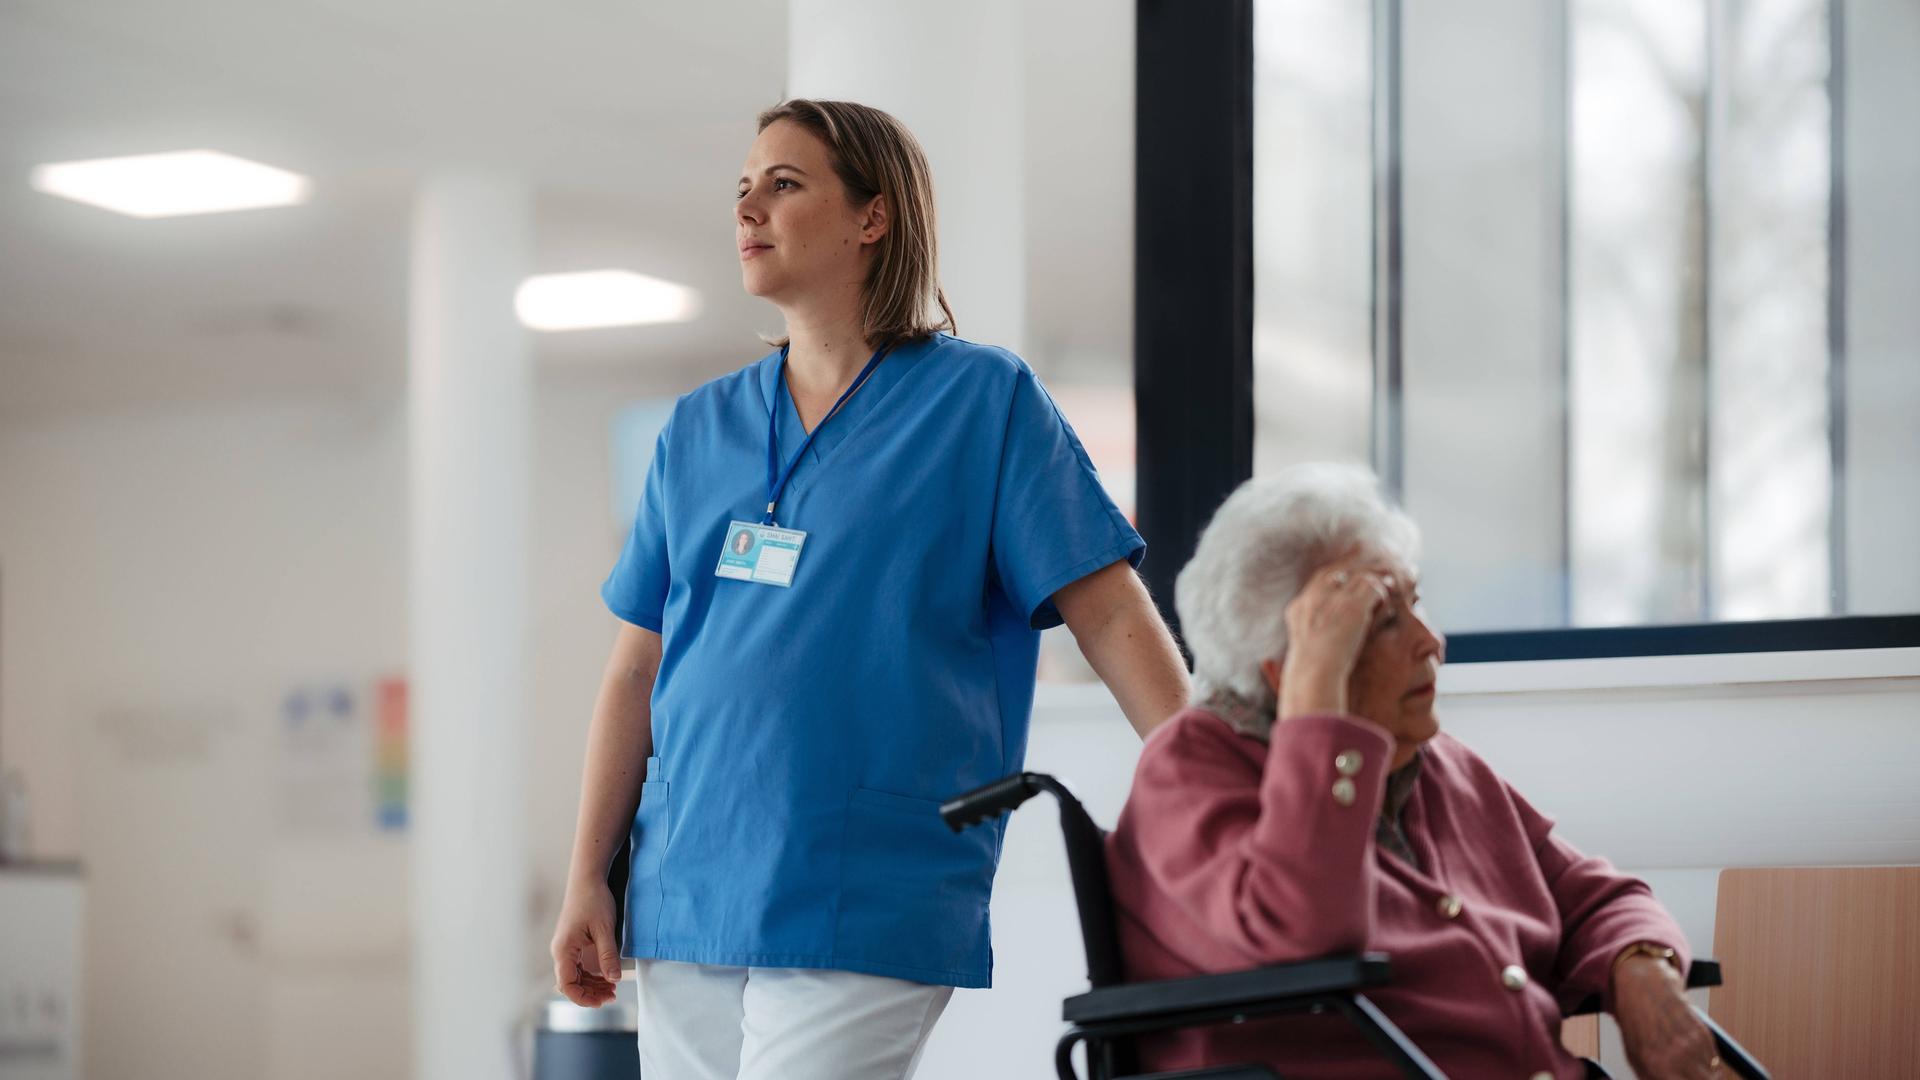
167	577
180	570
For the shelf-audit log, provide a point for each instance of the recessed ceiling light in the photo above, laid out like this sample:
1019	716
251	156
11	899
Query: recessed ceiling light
168	185
595	298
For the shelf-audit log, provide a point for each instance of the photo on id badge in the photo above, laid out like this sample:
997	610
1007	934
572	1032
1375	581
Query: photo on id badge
760	553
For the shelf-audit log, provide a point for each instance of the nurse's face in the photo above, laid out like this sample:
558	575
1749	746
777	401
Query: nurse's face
798	235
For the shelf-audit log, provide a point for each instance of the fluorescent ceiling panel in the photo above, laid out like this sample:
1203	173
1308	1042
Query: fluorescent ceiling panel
172	184
596	298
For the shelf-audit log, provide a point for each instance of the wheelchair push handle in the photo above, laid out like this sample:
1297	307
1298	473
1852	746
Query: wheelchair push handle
988	801
1086	858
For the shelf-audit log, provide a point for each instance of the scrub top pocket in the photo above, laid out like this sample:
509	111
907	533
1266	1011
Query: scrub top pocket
652	825
910	886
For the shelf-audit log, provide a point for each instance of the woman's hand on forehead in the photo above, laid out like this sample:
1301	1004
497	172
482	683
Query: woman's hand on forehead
1396	575
1400	582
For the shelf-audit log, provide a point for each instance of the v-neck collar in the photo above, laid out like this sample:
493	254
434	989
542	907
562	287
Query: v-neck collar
851	417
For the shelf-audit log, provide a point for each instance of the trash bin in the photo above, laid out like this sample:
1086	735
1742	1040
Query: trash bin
576	1043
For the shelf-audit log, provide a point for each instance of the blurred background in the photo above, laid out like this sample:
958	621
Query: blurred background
309	472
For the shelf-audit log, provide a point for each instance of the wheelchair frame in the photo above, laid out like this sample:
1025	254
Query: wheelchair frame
1112	1012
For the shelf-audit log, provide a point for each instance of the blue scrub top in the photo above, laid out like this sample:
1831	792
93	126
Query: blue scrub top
805	736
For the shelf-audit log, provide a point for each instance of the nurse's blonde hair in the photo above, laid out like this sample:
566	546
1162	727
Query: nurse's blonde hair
875	154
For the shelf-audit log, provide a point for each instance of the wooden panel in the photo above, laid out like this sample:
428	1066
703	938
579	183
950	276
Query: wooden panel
1822	969
1581	1036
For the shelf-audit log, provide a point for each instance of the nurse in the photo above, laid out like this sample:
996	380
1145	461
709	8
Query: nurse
830	610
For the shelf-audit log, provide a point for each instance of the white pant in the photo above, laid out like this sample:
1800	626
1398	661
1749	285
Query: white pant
703	1022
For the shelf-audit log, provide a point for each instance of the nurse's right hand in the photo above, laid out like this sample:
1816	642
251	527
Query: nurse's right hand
586	954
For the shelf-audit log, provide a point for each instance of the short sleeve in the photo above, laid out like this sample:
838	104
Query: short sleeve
1053	523
636	590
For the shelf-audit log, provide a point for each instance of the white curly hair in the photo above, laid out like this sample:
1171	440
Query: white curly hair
1257	553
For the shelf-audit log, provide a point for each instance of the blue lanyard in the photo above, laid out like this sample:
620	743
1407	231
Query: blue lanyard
776	476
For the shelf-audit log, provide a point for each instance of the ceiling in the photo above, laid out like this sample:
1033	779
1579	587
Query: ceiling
626	120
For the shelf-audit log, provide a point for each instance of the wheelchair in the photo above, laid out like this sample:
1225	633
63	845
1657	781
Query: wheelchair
1112	1012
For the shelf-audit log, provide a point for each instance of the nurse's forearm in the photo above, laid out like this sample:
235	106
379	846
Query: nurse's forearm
1137	659
619	741
1127	643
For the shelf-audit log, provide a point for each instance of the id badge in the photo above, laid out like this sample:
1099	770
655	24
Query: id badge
761	553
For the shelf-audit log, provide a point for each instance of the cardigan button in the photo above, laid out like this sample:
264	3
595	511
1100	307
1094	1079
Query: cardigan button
1541	1075
1449	907
1343	791
1513	977
1348	762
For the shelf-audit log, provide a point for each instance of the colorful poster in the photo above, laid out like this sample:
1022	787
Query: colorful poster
390	754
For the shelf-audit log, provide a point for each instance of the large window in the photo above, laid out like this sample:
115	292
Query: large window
1583	281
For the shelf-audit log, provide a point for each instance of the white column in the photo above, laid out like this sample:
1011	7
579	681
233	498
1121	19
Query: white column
954	74
468	429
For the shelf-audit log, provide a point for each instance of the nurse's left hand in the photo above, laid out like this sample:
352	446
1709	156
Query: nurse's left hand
586	958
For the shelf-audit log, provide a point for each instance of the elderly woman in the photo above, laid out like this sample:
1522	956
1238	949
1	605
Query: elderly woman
1308	804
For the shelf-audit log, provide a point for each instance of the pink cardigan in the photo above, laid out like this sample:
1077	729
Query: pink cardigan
1234	853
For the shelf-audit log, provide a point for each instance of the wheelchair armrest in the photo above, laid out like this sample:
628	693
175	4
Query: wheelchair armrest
1256	986
1704	974
1214	1073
